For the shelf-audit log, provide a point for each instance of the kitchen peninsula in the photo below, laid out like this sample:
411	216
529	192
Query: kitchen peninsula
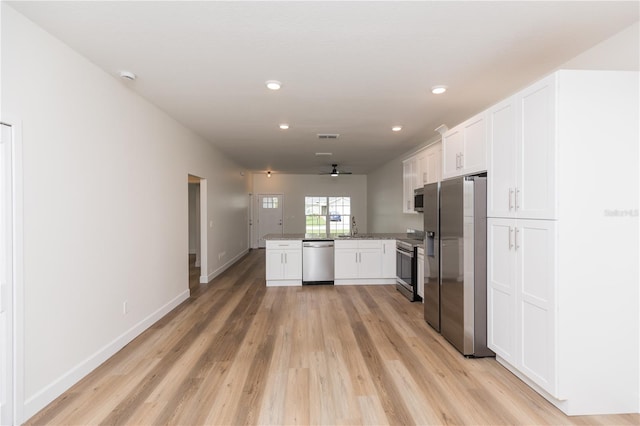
359	259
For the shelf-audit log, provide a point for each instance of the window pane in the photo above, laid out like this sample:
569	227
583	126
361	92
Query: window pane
330	215
270	203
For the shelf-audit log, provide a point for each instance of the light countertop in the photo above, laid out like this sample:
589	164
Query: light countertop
381	236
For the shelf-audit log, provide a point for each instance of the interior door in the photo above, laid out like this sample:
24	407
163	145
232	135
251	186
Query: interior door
269	216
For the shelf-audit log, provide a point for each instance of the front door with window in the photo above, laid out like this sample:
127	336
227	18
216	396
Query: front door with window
269	216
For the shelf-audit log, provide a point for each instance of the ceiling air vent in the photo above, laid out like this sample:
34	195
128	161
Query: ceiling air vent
328	135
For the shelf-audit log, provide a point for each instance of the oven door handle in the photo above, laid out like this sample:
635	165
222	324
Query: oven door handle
405	253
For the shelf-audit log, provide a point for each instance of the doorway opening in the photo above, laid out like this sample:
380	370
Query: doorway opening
197	230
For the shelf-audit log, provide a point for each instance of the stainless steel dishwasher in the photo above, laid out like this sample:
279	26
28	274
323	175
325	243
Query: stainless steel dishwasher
317	262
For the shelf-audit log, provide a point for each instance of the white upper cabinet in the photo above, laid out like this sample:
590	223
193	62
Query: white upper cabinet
451	152
429	163
409	183
418	170
535	196
464	148
522	154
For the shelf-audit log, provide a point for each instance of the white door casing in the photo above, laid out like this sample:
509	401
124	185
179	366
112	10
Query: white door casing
11	294
270	219
6	279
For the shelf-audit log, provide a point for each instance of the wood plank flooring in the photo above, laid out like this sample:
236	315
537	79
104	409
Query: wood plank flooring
239	353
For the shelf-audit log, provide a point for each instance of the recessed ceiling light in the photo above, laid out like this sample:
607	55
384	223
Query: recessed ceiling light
284	126
273	84
324	154
396	128
127	75
437	90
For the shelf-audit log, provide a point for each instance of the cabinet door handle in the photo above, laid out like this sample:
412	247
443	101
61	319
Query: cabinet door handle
511	191
517	232
356	257
517	202
510	235
461	160
285	258
281	257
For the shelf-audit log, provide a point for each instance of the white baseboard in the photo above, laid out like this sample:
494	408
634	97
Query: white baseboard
41	399
368	281
284	283
204	279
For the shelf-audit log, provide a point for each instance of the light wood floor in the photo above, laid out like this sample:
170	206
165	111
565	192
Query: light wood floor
239	353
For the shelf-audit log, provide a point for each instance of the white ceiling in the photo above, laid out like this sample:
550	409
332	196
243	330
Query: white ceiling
353	68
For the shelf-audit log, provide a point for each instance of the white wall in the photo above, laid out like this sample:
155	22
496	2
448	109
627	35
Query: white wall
105	208
384	186
620	52
385	197
296	187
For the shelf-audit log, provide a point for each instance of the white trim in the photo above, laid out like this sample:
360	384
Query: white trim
365	281
284	283
18	268
41	399
223	268
204	229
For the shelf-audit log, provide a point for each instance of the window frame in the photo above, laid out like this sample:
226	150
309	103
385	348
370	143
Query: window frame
329	211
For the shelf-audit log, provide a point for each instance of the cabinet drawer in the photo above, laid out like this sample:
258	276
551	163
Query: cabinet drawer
370	244
346	244
284	244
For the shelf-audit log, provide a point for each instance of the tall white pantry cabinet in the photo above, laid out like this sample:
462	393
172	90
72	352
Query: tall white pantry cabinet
562	237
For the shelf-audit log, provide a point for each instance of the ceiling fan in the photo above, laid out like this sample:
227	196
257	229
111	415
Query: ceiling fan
335	172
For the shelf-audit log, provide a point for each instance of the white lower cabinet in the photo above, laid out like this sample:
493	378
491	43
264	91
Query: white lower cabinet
283	262
521	282
389	259
421	272
363	262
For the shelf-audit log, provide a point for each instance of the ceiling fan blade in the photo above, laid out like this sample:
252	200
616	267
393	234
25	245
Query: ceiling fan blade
335	171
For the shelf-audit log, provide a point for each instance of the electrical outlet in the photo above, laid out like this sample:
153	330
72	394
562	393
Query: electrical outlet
222	254
125	307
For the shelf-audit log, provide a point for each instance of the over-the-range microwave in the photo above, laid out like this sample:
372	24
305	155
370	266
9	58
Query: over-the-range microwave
418	199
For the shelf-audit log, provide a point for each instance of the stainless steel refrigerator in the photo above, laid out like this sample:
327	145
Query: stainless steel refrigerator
432	255
463	273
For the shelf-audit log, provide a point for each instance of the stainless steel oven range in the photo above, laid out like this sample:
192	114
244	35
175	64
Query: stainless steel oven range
407	268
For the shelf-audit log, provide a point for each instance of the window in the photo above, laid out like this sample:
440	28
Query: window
270	203
327	215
